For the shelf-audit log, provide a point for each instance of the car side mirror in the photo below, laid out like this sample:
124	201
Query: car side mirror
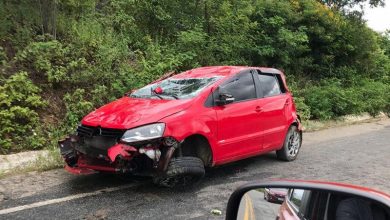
224	98
292	199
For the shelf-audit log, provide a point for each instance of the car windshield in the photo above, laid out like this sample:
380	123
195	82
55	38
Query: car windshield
172	88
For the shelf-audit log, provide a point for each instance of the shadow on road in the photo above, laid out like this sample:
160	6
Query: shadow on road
144	187
216	175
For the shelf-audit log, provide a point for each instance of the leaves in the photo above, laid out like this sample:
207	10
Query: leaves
19	101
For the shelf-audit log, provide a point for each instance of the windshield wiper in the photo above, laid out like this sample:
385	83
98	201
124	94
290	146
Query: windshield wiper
172	95
155	94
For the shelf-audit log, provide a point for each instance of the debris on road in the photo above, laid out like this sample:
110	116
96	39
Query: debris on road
216	212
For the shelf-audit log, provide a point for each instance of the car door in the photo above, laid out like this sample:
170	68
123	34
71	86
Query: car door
273	105
239	133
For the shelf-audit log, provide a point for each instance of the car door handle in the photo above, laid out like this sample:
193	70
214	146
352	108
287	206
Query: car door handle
258	109
287	103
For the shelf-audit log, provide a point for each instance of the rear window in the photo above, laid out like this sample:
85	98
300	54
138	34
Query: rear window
269	85
172	88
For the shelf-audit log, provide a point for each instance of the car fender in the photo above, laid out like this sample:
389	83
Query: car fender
181	125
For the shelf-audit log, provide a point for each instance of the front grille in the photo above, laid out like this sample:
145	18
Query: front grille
88	131
85	131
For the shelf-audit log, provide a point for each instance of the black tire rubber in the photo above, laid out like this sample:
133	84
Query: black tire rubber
190	169
282	154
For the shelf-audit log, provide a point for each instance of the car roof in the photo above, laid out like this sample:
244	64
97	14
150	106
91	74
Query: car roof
211	71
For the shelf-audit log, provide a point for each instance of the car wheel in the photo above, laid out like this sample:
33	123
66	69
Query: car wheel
182	172
267	198
291	146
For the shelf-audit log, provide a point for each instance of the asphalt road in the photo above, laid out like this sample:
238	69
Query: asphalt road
253	205
357	154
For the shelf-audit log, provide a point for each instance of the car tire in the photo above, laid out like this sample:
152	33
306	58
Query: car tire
181	172
291	146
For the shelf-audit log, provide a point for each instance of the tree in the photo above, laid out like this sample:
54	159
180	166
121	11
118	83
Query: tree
340	4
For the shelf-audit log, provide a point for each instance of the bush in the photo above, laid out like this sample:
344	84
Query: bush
19	121
76	107
329	100
56	61
332	98
300	103
3	56
302	109
156	60
375	97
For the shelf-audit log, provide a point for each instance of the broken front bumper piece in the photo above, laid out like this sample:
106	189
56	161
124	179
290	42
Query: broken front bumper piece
118	158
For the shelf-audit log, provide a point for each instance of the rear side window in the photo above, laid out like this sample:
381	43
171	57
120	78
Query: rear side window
242	87
269	85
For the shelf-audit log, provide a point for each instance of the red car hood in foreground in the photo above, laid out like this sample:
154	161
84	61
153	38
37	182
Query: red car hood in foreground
129	112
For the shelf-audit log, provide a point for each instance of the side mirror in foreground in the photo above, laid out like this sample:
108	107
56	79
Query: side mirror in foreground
286	199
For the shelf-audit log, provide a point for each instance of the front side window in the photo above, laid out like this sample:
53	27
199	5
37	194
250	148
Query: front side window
269	85
175	88
241	87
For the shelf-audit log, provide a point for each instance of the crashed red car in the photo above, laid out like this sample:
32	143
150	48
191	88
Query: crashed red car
276	195
173	128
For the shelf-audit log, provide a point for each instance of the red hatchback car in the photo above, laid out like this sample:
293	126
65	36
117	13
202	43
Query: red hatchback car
173	128
276	195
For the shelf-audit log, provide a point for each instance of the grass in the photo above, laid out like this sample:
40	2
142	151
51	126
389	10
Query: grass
316	125
2	174
52	161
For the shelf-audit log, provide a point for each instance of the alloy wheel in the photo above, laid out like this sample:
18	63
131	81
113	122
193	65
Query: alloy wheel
294	144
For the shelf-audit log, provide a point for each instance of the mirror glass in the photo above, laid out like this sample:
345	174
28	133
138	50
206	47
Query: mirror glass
280	203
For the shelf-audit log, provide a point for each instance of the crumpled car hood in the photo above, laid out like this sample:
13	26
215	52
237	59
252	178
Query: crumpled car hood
127	112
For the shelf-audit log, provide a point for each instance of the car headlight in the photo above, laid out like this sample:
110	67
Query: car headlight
142	133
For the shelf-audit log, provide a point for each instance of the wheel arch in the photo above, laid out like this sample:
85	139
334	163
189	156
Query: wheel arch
294	123
297	123
199	146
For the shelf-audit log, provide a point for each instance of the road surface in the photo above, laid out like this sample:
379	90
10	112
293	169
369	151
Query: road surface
253	205
357	154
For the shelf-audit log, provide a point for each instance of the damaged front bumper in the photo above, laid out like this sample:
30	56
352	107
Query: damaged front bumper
95	153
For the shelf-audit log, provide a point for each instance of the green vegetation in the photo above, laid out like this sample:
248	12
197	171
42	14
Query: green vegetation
61	59
19	124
